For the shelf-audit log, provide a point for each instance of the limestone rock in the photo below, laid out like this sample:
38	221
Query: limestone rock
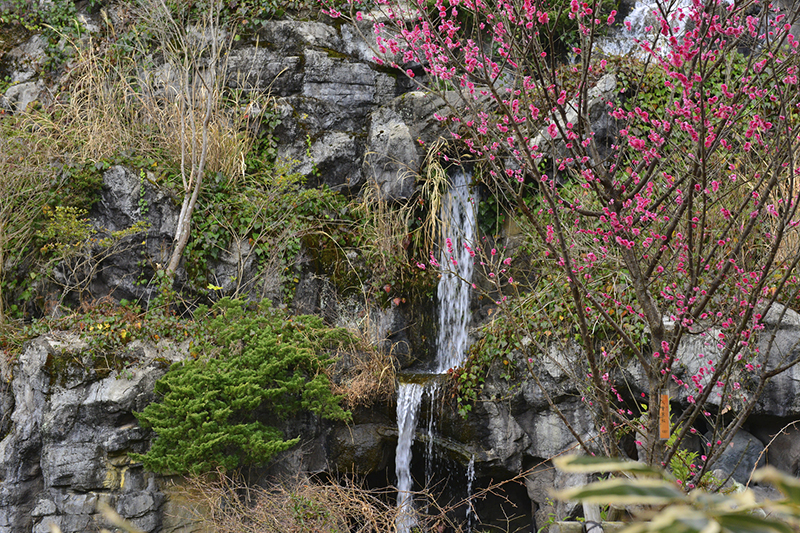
361	449
778	315
70	440
19	96
392	162
540	483
782	442
740	457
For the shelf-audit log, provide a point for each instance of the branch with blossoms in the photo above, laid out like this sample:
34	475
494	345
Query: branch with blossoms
689	201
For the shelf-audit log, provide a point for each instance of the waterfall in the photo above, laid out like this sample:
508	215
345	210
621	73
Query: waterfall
458	219
458	228
470	480
432	389
409	397
642	25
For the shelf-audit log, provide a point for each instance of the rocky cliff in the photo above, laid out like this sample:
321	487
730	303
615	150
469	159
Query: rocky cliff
67	428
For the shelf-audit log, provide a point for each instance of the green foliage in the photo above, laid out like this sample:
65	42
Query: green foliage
267	216
220	410
676	511
56	21
469	378
74	251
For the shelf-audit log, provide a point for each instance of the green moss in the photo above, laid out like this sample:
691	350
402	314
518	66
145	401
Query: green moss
334	54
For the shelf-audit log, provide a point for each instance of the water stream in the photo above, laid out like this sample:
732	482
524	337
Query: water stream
458	218
409	396
470	480
642	25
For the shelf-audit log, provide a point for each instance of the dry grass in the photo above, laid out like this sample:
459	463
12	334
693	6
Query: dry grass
129	106
434	188
384	228
299	506
364	377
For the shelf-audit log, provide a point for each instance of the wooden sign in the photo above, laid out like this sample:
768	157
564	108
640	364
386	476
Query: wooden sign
663	417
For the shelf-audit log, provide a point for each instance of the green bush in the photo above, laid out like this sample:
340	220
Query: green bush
221	410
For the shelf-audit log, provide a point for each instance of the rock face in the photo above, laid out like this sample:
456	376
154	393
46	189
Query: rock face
333	105
68	427
71	432
128	198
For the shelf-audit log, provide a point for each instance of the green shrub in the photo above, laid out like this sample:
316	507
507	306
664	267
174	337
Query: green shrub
221	410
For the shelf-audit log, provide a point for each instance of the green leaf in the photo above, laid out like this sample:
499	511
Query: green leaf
748	523
788	485
623	491
588	464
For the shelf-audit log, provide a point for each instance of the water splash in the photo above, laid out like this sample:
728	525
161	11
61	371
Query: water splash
409	396
432	390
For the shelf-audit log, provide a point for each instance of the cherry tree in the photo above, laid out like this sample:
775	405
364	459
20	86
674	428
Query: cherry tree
674	226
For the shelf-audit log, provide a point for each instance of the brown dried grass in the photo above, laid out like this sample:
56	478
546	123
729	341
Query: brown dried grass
225	505
363	376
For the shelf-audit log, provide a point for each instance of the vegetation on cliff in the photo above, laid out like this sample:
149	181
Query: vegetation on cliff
252	370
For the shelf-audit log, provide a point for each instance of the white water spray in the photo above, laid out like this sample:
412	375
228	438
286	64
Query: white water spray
470	480
458	228
458	219
432	389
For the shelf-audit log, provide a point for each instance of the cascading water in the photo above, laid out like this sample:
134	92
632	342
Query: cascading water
470	481
642	25
458	228
458	221
409	397
432	389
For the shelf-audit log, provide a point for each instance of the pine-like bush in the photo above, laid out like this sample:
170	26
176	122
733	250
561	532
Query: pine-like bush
256	368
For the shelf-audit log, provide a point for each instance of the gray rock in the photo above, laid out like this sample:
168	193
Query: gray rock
361	449
136	505
506	440
333	160
57	457
75	465
259	69
26	59
778	315
742	454
781	396
540	483
293	36
128	198
76	504
391	161
354	86
18	97
78	523
44	507
782	442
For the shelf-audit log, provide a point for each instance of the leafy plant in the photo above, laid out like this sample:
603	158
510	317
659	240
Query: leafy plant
664	507
253	369
74	251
